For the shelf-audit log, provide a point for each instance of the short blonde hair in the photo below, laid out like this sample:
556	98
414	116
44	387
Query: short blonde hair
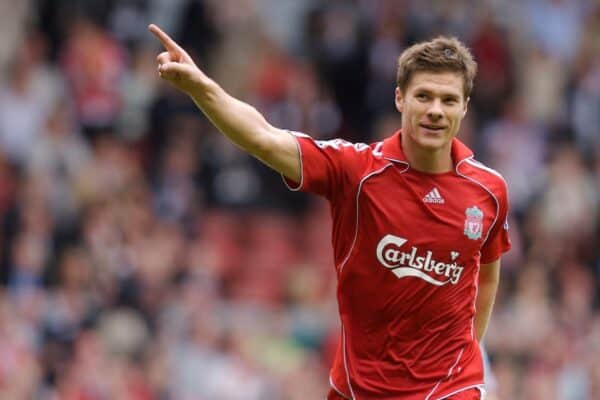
442	54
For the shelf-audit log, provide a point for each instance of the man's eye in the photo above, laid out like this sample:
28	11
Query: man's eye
422	96
450	101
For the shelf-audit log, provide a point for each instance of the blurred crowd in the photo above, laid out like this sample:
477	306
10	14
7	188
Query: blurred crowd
144	257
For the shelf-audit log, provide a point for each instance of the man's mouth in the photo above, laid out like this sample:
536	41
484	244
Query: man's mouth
432	127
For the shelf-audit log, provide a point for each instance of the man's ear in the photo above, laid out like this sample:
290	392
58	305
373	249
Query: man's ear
399	99
466	106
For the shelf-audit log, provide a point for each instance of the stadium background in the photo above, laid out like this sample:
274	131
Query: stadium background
143	257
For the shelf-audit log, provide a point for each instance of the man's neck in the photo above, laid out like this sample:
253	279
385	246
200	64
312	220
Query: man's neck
426	160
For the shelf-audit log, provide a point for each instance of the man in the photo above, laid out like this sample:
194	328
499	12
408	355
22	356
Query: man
418	225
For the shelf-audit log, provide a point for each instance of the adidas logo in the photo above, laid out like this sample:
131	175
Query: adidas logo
434	197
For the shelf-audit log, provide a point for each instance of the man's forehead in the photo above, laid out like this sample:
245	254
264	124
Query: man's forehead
437	81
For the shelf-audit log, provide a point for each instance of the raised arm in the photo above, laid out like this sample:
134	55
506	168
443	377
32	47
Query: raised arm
239	121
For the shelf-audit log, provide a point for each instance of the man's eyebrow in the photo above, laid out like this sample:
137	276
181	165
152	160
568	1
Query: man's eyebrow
441	93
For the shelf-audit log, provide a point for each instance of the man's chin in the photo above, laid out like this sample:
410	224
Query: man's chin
432	143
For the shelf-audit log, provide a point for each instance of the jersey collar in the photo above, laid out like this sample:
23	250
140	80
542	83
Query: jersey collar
392	150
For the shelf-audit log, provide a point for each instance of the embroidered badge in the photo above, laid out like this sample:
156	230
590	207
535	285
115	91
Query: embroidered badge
473	223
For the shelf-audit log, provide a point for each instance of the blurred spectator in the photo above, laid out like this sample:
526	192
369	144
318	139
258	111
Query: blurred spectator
586	103
138	91
516	146
495	74
57	159
542	82
93	64
555	25
31	86
175	194
14	19
389	38
569	199
337	42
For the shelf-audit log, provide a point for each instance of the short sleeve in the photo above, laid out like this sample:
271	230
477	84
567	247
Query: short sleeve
328	166
498	241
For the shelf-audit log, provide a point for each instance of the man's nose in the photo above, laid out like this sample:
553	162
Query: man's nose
435	110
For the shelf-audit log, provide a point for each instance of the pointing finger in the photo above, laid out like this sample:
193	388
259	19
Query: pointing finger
165	39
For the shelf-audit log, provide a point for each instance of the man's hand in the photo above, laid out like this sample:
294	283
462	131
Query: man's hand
175	65
240	122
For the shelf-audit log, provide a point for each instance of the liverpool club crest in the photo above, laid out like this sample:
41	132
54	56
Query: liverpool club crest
473	223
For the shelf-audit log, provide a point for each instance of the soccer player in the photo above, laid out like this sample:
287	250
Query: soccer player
419	226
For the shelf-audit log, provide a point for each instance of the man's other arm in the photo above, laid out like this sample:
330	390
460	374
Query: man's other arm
239	121
489	277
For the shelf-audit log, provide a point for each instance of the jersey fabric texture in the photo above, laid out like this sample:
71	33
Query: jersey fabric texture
407	249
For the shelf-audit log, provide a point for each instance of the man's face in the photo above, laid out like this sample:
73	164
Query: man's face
432	107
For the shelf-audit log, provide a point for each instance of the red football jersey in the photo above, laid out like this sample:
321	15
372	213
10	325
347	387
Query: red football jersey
407	248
